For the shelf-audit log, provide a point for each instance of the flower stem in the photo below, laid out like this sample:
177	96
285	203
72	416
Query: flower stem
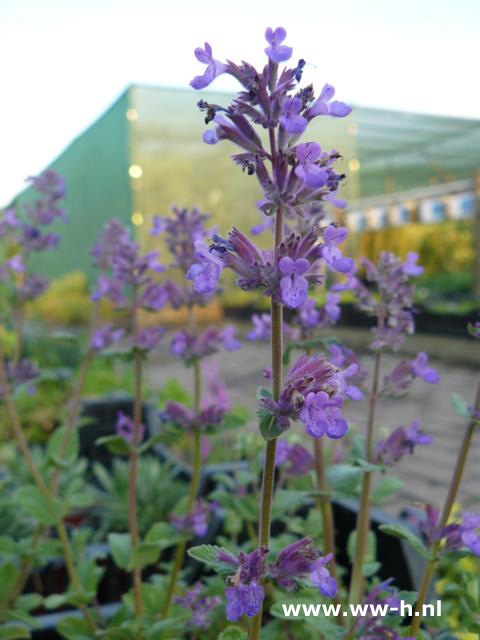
325	505
363	518
41	485
194	484
132	483
276	313
444	517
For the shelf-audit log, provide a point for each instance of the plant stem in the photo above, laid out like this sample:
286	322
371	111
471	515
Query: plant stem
444	517
276	314
194	484
363	519
132	483
325	505
41	485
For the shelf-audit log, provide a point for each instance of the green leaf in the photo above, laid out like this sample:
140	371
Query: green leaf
287	500
145	553
121	547
262	392
63	447
344	478
8	575
14	631
399	531
460	406
233	633
151	442
116	633
115	444
387	487
207	554
29	601
74	628
55	600
156	632
164	535
47	512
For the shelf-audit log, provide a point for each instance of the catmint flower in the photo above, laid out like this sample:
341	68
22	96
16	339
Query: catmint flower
307	168
215	392
401	442
244	595
154	297
293	286
148	338
398	381
299	561
277	52
125	427
474	330
310	318
206	272
332	237
262	327
213	70
372	626
105	337
22	372
271	99
320	577
313	393
200	606
193	346
291	121
196	521
321	415
297	460
322	106
209	416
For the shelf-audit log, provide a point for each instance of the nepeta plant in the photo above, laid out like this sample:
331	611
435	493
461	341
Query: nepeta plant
295	177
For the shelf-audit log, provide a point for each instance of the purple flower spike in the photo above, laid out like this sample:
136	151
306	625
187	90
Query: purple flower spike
420	369
293	286
277	52
200	606
300	460
290	119
307	169
400	442
213	70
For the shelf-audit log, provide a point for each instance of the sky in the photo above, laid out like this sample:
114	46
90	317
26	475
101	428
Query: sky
63	62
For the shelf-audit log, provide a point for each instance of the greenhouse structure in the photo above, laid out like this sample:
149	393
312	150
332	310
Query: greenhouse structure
146	153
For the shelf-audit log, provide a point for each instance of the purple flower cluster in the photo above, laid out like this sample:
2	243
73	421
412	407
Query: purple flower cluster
456	535
181	231
313	393
26	237
285	277
196	521
297	561
398	381
178	414
22	372
372	626
344	358
127	279
391	277
194	346
262	328
201	606
302	173
310	318
400	442
125	427
296	459
105	337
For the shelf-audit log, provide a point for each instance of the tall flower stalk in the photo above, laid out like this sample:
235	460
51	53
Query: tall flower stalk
295	179
446	513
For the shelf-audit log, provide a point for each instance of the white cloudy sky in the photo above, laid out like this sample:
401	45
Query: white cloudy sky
64	61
